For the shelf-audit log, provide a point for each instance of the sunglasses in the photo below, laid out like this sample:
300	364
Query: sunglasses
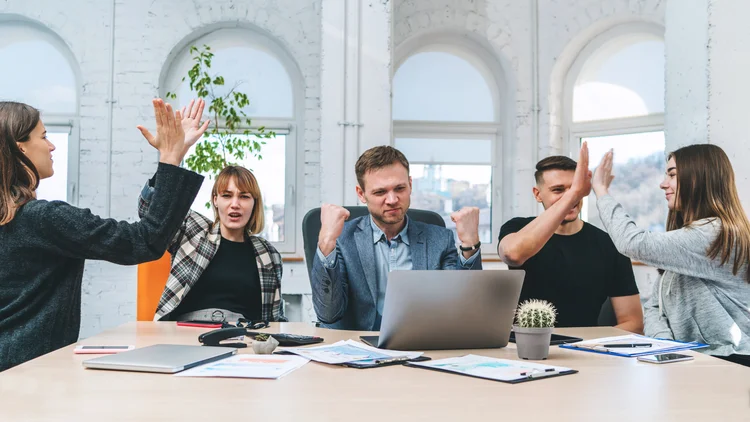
252	325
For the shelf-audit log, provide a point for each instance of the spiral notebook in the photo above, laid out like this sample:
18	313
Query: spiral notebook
503	370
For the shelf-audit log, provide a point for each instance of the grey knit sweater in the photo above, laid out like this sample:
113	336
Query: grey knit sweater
42	253
697	298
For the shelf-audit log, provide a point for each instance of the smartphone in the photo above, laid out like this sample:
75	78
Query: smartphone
202	324
100	350
665	358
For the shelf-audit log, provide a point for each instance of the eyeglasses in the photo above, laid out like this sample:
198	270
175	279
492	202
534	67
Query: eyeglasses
252	325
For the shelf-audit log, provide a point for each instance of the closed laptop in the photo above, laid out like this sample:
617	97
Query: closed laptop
164	358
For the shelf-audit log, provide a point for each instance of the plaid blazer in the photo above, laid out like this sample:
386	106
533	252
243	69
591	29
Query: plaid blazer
192	249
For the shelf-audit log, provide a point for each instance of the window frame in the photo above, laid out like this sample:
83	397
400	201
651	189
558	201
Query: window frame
462	130
493	73
575	132
292	127
60	122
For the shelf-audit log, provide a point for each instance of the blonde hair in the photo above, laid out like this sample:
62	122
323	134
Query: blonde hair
245	182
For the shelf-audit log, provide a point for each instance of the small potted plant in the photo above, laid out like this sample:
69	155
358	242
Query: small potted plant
535	320
263	344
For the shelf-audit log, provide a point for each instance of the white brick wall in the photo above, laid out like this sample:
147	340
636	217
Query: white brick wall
148	31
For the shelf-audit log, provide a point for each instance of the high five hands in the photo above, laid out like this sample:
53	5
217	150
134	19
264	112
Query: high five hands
176	131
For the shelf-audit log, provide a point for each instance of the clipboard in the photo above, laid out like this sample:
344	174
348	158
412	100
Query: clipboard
588	346
515	372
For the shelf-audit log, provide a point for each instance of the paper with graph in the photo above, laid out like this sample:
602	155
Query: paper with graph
248	366
493	368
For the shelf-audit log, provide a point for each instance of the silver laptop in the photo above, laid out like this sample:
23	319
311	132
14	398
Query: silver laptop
165	358
439	310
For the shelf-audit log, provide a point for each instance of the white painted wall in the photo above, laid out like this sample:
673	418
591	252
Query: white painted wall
312	31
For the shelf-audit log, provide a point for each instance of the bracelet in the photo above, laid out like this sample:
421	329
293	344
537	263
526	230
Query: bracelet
470	248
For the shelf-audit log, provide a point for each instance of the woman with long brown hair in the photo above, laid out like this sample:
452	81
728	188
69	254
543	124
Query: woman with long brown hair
43	245
704	292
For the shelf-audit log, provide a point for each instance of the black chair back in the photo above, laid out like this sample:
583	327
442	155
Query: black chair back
607	317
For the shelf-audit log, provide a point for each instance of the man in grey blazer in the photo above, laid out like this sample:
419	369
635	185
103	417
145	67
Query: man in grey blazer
351	266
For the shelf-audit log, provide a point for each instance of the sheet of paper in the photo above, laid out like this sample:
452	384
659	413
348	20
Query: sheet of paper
657	346
347	351
491	368
248	366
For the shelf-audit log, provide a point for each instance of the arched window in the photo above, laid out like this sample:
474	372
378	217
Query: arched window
38	70
616	92
445	112
259	67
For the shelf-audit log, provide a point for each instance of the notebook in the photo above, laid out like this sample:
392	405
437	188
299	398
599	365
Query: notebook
503	370
164	358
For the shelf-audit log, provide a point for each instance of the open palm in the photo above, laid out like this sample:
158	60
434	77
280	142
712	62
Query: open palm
191	122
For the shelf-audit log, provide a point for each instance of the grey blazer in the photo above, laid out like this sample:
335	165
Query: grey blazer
345	296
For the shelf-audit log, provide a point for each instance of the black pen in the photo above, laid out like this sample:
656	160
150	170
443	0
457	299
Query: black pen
612	346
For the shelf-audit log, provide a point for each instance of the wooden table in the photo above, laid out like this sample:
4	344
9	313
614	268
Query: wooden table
607	388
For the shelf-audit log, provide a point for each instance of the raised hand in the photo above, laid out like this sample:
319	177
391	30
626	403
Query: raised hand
191	122
332	218
603	176
581	186
170	137
467	225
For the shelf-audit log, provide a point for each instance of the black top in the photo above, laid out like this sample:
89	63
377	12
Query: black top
576	273
230	281
42	253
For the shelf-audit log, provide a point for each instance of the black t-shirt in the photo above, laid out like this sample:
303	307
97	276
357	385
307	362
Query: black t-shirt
576	273
230	282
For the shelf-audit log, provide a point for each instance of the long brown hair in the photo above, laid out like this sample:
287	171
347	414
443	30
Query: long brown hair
245	182
706	188
18	176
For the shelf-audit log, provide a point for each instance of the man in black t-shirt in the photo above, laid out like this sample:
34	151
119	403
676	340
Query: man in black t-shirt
569	262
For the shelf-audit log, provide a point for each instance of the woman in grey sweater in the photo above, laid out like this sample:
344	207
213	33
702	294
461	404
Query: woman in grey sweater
703	294
43	244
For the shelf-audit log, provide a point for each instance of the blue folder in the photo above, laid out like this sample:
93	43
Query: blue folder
682	346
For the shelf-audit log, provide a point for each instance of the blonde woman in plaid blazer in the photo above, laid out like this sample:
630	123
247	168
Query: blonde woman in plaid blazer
221	270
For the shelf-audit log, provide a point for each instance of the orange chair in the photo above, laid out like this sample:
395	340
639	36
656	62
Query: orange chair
152	277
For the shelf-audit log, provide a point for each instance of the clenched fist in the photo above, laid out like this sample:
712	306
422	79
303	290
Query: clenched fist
467	225
332	218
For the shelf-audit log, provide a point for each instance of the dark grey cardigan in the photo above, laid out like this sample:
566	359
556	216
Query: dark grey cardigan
42	252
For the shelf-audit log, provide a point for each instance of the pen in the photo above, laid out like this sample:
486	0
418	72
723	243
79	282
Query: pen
548	370
393	359
547	373
612	346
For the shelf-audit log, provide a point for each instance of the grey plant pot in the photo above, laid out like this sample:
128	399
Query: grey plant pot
533	343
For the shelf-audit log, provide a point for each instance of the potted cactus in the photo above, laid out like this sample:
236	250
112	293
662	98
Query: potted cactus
535	320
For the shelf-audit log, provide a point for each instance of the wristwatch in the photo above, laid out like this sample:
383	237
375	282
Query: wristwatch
470	248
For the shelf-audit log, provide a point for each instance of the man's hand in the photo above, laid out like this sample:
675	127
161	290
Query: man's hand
467	225
581	186
332	218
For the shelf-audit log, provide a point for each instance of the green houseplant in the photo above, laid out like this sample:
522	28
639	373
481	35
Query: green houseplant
230	137
535	320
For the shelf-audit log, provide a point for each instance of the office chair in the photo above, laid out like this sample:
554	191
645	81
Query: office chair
607	317
311	227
